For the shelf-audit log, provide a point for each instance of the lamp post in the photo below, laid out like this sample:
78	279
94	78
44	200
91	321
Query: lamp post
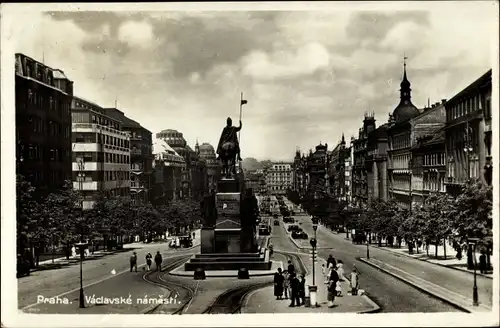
81	246
475	297
313	288
367	244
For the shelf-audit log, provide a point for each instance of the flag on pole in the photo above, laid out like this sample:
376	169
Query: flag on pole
244	102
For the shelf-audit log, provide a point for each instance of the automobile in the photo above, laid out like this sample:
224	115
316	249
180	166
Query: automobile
288	220
299	235
293	227
264	230
276	222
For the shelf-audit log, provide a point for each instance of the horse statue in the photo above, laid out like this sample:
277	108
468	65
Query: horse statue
228	149
228	159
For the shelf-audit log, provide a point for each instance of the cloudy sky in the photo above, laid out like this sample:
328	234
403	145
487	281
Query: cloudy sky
308	76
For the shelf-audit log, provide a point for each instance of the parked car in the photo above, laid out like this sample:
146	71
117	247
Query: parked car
264	230
293	227
299	235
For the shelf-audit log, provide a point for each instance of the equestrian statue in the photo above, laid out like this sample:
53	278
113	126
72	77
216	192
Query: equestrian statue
228	149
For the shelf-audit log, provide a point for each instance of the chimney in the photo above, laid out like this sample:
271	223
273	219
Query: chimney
443	101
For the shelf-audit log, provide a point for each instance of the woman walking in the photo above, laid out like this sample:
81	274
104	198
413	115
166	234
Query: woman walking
354	280
278	284
286	284
332	286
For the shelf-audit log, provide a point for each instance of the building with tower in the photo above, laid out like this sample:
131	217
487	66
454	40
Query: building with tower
336	170
168	166
406	125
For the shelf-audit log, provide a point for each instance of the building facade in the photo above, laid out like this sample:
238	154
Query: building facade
376	163
348	174
468	135
101	153
43	124
141	156
194	175
300	175
207	152
254	180
337	170
166	181
279	178
359	172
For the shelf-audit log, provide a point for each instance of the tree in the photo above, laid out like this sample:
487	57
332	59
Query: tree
293	196
472	216
26	209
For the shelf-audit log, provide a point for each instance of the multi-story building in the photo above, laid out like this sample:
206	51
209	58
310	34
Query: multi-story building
167	173
359	172
300	175
468	135
279	178
317	164
141	156
254	181
376	163
43	124
194	175
429	165
337	170
101	152
207	152
348	174
406	125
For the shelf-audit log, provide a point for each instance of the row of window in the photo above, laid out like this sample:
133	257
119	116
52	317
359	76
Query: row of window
434	159
433	181
56	129
400	141
401	161
401	182
48	177
467	106
40	100
36	152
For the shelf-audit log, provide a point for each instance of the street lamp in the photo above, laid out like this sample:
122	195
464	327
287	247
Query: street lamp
313	289
472	243
367	244
81	246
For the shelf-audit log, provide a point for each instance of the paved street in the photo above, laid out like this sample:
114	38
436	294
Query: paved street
51	283
390	293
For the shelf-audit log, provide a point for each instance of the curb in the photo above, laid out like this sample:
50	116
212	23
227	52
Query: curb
375	307
422	289
439	264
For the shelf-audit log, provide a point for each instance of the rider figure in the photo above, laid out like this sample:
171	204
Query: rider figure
229	134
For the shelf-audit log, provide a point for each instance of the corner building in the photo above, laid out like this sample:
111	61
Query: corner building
101	153
43	124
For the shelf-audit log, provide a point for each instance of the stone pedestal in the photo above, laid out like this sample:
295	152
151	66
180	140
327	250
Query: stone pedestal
207	240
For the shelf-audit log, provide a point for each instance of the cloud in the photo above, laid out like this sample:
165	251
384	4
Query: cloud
282	64
136	34
308	76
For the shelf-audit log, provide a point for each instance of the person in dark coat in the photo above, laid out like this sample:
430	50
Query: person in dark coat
331	260
133	262
332	284
295	286
291	267
158	260
302	289
278	284
482	262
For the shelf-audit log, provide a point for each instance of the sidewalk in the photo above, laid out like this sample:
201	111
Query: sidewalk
62	261
264	301
438	291
450	262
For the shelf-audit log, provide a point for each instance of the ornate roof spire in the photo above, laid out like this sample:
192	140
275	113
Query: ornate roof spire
405	84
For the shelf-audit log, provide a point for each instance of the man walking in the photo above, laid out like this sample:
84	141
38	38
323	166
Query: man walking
149	260
291	268
294	284
158	260
133	262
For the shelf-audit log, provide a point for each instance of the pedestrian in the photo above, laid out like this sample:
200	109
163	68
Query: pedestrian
133	262
302	289
340	270
338	288
294	285
291	267
354	281
149	259
278	284
482	262
158	260
286	284
332	285
331	260
323	269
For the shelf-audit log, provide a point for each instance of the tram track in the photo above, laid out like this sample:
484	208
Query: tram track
181	292
231	301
